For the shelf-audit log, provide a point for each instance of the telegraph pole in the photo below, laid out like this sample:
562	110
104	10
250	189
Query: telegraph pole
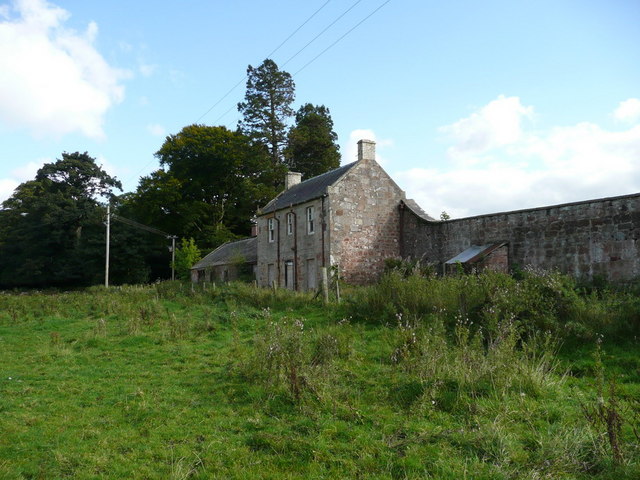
106	266
141	226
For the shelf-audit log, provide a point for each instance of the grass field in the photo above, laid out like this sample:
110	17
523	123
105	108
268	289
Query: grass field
234	382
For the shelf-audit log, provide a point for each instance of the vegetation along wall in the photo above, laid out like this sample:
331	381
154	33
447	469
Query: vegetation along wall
584	239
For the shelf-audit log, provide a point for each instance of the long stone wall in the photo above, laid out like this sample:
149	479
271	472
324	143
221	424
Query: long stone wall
585	239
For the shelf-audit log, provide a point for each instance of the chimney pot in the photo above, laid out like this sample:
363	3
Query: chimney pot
291	179
366	150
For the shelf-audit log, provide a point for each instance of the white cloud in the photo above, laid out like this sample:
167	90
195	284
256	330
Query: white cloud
628	111
156	130
7	186
350	150
19	175
497	124
28	171
52	79
528	168
107	166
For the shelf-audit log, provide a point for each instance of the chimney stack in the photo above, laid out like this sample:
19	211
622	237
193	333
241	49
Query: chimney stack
366	150
291	179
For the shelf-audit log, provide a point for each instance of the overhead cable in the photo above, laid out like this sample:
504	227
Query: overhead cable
324	30
141	226
268	56
339	39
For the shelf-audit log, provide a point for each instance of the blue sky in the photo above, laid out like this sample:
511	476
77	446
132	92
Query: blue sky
476	107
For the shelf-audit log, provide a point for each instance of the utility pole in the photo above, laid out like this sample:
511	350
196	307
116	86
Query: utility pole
173	256
140	226
106	266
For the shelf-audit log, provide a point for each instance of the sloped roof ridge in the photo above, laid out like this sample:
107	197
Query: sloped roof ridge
221	255
417	210
307	190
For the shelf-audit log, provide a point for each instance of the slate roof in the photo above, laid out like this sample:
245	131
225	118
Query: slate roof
417	210
315	187
229	252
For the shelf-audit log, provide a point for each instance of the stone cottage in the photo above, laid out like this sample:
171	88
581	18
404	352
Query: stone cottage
230	261
354	217
348	218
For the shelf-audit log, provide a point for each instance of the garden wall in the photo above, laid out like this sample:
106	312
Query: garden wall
584	239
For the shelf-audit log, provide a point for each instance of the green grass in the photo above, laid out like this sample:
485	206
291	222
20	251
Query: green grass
163	382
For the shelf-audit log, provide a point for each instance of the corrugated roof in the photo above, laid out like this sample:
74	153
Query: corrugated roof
308	190
230	252
474	253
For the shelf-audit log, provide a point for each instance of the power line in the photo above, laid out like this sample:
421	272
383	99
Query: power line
325	29
245	77
339	39
334	43
268	56
297	29
141	226
229	125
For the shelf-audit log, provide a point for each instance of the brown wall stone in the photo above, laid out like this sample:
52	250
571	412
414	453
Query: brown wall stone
584	239
364	222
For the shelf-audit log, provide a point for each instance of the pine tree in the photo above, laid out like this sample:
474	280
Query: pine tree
267	106
312	144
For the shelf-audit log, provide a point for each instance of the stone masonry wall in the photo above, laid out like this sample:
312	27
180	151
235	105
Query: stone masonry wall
585	239
303	249
364	222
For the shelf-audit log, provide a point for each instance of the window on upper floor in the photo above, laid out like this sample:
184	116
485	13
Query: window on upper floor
289	223
271	229
311	220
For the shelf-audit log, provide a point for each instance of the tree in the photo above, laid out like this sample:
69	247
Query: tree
187	254
267	106
212	182
56	236
312	144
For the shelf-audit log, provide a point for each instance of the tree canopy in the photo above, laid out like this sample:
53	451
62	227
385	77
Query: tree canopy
187	255
212	182
51	230
267	106
312	144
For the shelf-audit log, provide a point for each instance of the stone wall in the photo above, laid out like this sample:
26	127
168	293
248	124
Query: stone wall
364	222
303	249
585	239
222	273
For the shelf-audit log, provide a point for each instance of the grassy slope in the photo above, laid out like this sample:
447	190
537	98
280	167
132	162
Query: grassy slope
149	383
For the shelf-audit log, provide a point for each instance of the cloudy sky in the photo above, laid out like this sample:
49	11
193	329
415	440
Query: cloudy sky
476	107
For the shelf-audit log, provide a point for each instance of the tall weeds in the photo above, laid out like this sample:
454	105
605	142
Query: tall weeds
468	366
540	301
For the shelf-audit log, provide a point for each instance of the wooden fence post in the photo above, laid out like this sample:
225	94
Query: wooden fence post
325	285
